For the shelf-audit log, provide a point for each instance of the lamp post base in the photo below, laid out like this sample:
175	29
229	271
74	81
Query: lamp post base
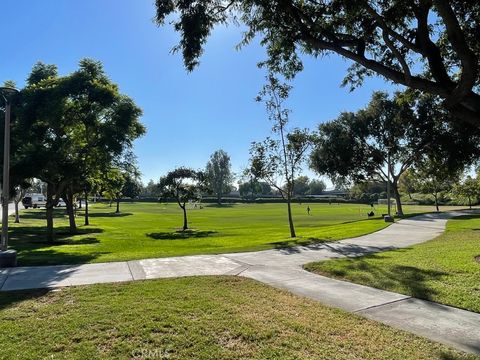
8	258
388	218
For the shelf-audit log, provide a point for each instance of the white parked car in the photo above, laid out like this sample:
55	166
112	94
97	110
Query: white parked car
34	201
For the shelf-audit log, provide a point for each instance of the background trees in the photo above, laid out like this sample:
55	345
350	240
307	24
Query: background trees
218	174
183	185
469	188
304	186
407	183
433	178
316	187
252	188
71	129
430	46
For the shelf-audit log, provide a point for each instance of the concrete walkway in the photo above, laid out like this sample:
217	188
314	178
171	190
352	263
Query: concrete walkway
282	268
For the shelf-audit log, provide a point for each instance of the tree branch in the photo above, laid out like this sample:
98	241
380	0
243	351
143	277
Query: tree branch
467	57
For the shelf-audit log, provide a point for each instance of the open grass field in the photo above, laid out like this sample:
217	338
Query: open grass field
146	230
443	270
195	318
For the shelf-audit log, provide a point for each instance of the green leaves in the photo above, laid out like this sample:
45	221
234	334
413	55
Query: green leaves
183	184
430	46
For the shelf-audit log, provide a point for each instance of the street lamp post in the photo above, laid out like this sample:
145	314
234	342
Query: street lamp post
8	258
388	185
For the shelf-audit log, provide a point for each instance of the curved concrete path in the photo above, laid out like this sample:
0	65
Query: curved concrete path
282	268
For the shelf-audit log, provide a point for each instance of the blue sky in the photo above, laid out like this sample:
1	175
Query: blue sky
188	115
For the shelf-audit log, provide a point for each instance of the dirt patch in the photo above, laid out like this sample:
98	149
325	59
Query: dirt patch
477	258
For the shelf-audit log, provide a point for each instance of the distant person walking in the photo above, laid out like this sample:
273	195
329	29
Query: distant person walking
308	210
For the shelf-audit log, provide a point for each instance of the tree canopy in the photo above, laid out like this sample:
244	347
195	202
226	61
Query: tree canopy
427	45
391	133
183	185
70	129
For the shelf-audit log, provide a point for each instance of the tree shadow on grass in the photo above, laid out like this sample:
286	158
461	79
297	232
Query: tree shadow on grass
30	243
181	235
39	257
25	235
220	206
108	214
443	355
40	214
408	280
11	298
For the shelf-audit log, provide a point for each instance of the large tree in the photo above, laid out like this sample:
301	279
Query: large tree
219	174
183	185
390	135
72	126
427	45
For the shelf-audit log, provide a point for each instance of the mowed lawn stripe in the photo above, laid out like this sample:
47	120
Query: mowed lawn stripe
149	230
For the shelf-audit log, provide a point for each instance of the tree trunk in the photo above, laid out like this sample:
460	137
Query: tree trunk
86	209
219	199
79	203
49	212
71	213
290	218
185	221
436	202
410	195
470	202
17	215
397	198
118	206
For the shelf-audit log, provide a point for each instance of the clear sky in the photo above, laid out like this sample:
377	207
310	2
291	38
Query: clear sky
187	115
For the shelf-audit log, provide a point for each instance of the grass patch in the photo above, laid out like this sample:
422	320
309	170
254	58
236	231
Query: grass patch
443	270
195	318
148	230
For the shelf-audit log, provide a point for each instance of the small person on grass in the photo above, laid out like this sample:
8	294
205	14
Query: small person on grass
308	210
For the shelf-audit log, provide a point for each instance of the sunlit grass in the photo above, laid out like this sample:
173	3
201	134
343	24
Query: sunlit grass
195	318
442	270
146	230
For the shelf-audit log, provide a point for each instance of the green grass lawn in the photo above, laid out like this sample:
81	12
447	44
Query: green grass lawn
443	270
146	230
195	318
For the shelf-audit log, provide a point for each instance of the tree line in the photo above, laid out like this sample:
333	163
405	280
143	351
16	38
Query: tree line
74	133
